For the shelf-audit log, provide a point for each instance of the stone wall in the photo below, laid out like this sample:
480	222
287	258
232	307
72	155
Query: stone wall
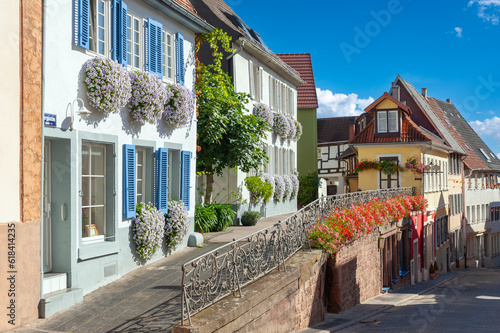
355	274
279	302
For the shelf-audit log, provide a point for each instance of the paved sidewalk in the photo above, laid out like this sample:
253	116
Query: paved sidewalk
369	308
147	299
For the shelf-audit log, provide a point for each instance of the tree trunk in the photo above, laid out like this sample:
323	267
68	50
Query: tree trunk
209	188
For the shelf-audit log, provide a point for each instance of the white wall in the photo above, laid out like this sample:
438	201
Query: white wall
64	83
10	110
241	79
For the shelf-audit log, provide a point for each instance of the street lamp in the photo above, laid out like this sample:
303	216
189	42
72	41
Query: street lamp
82	111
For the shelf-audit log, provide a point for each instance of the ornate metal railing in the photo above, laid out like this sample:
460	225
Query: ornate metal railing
225	270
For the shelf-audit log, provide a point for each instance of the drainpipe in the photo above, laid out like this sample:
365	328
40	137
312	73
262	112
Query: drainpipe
42	203
237	51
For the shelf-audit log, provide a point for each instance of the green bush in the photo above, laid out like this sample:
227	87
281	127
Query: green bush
258	188
225	216
213	217
205	218
250	218
308	188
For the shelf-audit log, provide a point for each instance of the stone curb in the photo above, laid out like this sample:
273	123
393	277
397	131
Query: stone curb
383	308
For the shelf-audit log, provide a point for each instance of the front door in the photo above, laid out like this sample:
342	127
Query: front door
47	221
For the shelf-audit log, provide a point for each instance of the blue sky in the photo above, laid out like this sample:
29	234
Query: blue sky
358	47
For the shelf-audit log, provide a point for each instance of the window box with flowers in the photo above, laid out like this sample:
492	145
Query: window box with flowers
108	84
147	230
179	108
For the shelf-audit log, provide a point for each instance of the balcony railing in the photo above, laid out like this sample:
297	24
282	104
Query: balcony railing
227	269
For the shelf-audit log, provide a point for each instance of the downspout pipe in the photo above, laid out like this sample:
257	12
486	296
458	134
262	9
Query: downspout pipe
423	158
42	203
237	51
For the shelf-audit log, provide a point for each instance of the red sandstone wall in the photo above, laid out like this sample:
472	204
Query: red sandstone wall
355	274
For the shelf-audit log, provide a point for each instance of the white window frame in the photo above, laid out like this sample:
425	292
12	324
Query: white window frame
166	57
140	179
381	121
90	206
94	29
131	42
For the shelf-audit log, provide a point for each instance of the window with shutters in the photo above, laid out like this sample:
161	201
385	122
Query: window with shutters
387	121
99	34
135	40
168	56
174	174
96	199
255	75
389	181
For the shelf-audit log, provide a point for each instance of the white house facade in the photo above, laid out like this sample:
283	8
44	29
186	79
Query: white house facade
98	164
267	79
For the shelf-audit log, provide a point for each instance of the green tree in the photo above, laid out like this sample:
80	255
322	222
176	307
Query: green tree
229	137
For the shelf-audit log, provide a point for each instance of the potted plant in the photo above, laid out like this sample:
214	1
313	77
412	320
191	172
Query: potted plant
250	218
432	274
436	268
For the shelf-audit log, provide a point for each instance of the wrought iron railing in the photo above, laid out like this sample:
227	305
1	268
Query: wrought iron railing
225	270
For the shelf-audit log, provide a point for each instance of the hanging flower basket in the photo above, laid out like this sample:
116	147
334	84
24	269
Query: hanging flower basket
279	188
298	130
263	111
176	224
281	125
147	230
180	107
108	84
149	96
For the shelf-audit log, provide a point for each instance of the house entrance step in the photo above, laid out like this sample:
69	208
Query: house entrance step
53	282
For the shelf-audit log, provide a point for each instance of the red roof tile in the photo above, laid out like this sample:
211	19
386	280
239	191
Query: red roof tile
389	97
186	4
306	93
472	160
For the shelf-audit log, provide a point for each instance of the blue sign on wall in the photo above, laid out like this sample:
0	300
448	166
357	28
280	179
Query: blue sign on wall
49	119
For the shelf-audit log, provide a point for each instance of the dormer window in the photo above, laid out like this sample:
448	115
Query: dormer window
387	121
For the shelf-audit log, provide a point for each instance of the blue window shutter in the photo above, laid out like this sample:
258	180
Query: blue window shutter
83	23
162	180
155	48
180	58
185	177
123	34
129	181
115	29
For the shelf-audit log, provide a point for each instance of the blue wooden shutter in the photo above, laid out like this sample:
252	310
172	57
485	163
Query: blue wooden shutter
155	48
162	180
115	29
123	34
185	177
180	58
119	31
129	195
83	23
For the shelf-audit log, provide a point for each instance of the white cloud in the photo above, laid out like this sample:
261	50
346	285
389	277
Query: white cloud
488	129
488	10
459	32
340	105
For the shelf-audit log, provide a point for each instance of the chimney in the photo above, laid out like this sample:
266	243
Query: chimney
448	100
351	132
424	92
396	92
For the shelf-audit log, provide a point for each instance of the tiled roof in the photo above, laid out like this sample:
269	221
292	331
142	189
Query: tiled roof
410	132
468	138
424	115
334	129
389	97
186	4
221	16
306	93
